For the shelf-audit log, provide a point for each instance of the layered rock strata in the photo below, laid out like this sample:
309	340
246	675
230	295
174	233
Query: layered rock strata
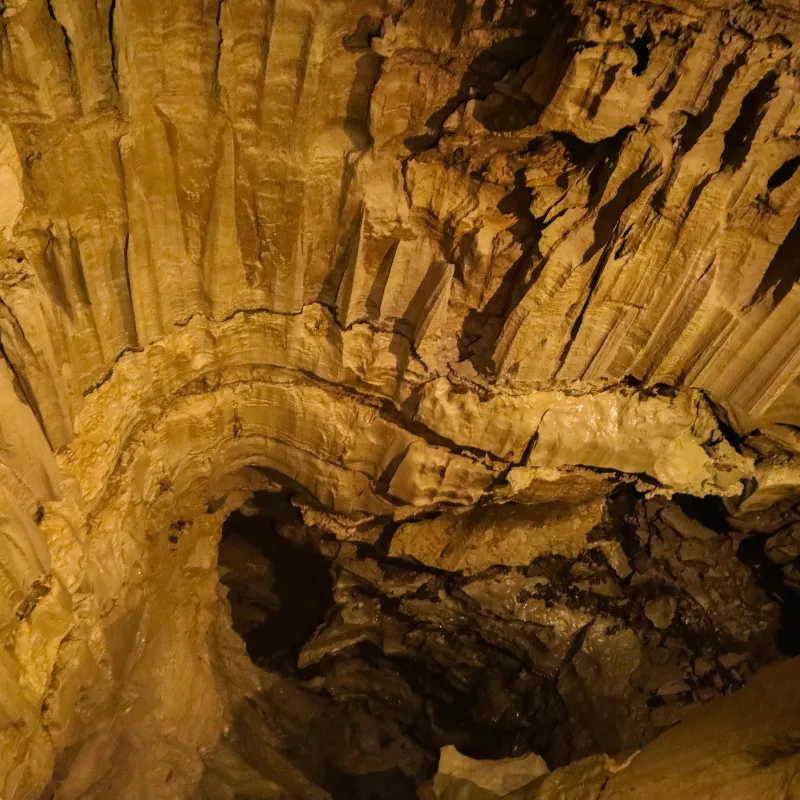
453	274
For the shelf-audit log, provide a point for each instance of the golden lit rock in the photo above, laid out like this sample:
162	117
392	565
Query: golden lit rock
389	379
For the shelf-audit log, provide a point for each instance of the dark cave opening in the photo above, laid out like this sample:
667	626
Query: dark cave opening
397	708
641	47
772	579
279	586
708	510
406	659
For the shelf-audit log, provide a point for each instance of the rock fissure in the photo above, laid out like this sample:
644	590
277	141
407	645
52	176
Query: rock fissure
399	399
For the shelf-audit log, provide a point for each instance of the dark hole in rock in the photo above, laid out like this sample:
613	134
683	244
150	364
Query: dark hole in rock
279	588
563	657
709	510
641	46
772	579
784	173
739	137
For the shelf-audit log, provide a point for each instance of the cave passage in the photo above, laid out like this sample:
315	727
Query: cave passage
564	657
279	588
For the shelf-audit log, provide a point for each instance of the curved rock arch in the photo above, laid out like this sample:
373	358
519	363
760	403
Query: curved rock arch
420	257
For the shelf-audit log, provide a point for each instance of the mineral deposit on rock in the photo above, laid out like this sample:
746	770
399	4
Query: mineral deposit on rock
388	381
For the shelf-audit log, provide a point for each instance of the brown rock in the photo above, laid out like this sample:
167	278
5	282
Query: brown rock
660	612
461	275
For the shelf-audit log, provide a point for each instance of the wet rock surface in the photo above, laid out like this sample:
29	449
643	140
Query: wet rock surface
504	293
563	657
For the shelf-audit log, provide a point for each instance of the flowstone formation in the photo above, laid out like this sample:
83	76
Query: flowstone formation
399	398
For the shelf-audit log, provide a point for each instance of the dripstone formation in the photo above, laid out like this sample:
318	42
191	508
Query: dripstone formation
399	399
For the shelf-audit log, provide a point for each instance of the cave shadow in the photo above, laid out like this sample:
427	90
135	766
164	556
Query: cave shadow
279	588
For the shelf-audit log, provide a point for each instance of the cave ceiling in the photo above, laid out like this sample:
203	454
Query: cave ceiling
488	309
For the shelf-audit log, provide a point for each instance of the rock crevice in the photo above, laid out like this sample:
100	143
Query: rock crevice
495	300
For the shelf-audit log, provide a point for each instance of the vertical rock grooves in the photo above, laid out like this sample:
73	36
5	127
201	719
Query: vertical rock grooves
386	384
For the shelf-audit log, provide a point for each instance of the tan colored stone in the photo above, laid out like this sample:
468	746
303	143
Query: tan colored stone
496	778
405	258
511	535
660	612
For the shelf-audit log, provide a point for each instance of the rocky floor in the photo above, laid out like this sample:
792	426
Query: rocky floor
673	604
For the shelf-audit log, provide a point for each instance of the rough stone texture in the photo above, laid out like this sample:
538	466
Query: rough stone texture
402	259
712	754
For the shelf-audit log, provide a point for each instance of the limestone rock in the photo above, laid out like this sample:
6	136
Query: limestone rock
461	277
660	612
513	536
784	546
496	778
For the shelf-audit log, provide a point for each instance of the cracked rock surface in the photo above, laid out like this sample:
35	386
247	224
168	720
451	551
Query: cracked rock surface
477	321
566	657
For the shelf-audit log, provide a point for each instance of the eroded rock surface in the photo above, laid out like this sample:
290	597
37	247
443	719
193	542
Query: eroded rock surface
565	657
500	293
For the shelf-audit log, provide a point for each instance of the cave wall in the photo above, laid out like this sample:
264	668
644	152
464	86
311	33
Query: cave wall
400	257
714	753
